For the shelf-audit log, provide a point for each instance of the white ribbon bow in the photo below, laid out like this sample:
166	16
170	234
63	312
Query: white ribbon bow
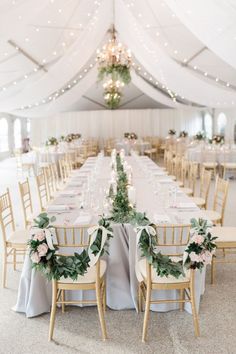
93	232
149	230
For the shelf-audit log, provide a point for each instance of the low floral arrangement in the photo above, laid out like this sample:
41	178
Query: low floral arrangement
183	134
217	139
130	136
70	137
201	247
43	251
52	141
171	132
200	136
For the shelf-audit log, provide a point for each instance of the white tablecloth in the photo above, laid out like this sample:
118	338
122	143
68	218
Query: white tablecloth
129	145
34	294
207	155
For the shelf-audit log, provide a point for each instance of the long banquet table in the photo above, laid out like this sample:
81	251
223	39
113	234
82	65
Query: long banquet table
152	196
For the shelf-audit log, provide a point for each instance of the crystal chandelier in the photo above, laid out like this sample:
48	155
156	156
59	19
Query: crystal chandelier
114	64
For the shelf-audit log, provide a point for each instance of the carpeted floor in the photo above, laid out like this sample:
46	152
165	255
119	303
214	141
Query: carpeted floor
78	330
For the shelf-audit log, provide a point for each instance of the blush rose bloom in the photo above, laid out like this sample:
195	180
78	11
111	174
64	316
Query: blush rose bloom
39	236
42	249
199	239
195	257
207	257
35	258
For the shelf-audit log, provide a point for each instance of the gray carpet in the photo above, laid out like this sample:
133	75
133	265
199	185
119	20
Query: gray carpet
78	330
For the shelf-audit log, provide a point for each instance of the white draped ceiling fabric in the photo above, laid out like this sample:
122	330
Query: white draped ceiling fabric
45	46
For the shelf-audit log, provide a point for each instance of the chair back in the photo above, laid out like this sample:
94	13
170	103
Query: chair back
55	175
6	215
173	239
205	182
42	190
49	181
220	196
64	170
192	175
73	238
26	201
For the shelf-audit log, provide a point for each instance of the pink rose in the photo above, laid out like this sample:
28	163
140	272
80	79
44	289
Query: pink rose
199	239
35	257
42	249
39	236
195	257
206	257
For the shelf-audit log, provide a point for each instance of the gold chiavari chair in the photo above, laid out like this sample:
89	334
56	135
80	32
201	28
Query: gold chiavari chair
210	161
26	201
169	237
192	178
205	182
51	187
77	238
183	172
55	176
14	241
23	166
226	242
64	170
42	191
216	215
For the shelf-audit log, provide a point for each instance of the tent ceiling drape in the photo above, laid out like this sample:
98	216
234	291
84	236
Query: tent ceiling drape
43	47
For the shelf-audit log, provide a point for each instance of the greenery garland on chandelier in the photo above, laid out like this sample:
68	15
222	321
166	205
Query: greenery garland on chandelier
114	63
43	255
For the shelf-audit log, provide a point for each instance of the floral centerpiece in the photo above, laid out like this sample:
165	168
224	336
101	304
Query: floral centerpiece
183	134
217	139
130	136
52	141
172	132
200	136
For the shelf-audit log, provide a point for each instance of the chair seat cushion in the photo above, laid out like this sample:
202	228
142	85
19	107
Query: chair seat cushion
198	201
187	191
19	237
210	164
172	177
141	274
211	215
180	183
224	233
229	165
87	278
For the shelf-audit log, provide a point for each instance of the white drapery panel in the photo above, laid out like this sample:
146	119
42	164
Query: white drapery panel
211	21
107	124
66	67
161	66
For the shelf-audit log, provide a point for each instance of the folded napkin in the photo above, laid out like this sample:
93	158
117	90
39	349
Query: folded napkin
83	219
75	183
161	218
188	205
165	180
159	173
69	192
58	207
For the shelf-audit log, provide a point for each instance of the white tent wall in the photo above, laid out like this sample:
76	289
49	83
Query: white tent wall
105	124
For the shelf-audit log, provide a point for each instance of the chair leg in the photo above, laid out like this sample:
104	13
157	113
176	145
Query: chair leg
139	298
147	312
181	304
212	270
14	259
63	299
194	312
4	269
100	311
53	309
104	297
